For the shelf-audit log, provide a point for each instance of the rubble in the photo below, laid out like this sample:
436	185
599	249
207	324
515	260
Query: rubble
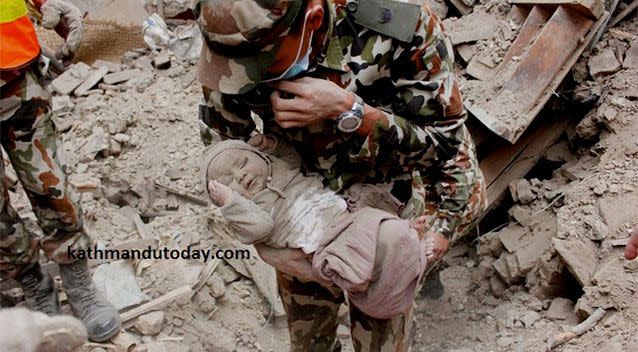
631	57
604	63
150	323
471	28
122	76
560	308
71	78
92	80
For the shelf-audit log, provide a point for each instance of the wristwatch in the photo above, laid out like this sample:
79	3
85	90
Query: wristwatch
350	120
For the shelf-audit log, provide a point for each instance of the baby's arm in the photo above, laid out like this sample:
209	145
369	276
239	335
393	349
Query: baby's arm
277	148
248	221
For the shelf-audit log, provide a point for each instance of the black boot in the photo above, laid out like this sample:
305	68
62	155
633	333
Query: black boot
100	317
39	293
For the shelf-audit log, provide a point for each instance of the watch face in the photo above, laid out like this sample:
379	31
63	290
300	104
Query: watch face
349	123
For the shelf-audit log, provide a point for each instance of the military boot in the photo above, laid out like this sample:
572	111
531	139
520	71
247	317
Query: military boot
100	317
39	293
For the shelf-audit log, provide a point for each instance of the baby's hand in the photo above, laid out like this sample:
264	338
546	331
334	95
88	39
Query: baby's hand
219	193
262	142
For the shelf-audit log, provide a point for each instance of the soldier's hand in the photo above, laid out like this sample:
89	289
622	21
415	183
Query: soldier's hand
631	250
263	142
314	100
436	246
289	261
66	19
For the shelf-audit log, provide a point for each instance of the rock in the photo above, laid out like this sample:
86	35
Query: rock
150	323
631	266
522	215
504	341
216	285
631	57
481	68
600	188
122	76
90	82
521	191
96	143
471	28
122	138
71	78
466	51
204	301
61	105
511	236
497	286
604	63
83	182
529	318
62	124
502	269
489	244
162	61
173	173
534	245
110	65
115	148
580	256
559	309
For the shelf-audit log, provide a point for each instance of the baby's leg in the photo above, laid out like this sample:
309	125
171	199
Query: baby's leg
419	224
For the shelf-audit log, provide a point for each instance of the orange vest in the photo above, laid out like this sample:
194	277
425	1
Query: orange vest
18	41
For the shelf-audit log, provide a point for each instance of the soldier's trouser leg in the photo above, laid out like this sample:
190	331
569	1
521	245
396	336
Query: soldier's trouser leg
29	138
312	312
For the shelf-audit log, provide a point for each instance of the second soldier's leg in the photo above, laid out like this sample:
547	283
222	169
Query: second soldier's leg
32	145
380	335
312	313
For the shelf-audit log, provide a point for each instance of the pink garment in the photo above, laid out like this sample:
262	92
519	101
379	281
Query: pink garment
380	271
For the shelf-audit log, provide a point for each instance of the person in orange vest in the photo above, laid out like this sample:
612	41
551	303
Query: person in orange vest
30	140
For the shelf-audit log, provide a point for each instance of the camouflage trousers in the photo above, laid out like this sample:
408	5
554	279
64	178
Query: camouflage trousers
312	313
29	139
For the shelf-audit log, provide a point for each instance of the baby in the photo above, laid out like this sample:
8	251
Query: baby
372	254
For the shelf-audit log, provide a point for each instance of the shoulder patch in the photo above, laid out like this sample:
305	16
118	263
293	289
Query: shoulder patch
393	18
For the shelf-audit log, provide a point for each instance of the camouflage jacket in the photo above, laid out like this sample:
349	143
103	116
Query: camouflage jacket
421	146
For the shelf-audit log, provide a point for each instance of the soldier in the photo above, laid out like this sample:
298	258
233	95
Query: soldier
30	140
364	91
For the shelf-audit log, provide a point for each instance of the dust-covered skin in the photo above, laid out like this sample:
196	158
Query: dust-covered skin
30	140
243	171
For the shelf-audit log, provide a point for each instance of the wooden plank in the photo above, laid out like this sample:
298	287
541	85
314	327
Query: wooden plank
537	17
533	80
624	13
512	162
159	302
590	8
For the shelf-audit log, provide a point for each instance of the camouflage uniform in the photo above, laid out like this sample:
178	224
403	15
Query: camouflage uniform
30	140
419	145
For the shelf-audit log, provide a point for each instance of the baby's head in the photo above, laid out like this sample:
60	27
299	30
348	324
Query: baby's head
238	166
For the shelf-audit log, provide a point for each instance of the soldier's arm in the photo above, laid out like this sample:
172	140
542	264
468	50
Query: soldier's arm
221	115
425	129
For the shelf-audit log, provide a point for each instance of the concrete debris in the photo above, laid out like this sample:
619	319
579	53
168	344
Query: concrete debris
216	285
61	104
604	63
162	61
122	76
581	258
522	191
466	51
92	80
471	28
559	309
97	142
631	57
83	182
71	78
481	68
110	65
150	323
